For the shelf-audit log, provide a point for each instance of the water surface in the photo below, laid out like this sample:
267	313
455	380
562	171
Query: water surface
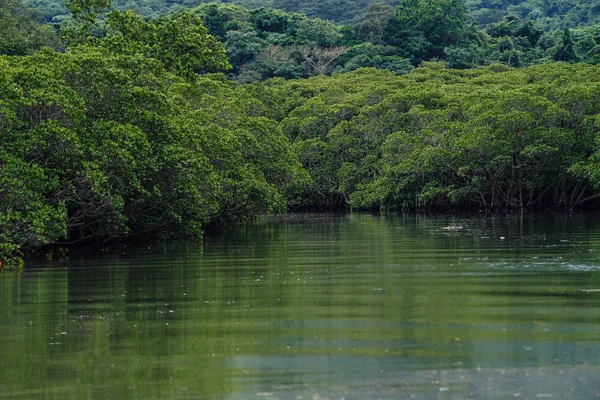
317	307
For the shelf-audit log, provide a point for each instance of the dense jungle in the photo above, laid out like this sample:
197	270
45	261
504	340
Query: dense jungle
160	119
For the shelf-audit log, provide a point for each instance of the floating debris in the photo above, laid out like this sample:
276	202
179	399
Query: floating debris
452	228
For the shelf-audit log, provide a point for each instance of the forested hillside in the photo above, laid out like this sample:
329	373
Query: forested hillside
114	126
264	42
550	14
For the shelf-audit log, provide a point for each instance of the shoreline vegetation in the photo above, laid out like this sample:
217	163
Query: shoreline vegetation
117	127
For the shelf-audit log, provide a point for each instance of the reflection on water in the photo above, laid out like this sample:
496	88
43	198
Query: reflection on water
317	307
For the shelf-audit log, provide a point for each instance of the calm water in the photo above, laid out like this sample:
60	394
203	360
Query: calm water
317	307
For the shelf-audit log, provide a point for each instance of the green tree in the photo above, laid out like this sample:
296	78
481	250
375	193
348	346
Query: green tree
372	28
220	18
513	26
565	51
242	47
21	30
102	145
84	12
180	42
437	23
382	57
317	32
270	20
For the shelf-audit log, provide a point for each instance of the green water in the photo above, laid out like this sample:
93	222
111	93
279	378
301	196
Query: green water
317	307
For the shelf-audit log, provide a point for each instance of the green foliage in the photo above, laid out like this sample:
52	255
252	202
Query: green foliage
549	15
337	10
487	138
84	15
180	42
219	19
243	46
513	26
372	28
86	11
136	131
566	52
376	56
270	20
21	30
423	27
264	42
317	32
102	145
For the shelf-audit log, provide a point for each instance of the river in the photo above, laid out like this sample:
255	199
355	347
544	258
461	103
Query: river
317	307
